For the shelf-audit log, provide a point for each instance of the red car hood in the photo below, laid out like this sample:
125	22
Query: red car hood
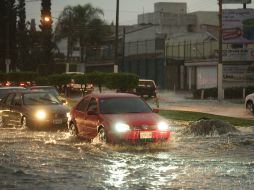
133	119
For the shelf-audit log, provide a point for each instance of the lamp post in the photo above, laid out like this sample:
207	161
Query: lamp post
7	51
220	65
116	65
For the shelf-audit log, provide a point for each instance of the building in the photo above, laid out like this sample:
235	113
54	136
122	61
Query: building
144	50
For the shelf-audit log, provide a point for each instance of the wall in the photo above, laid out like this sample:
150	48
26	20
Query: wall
168	7
206	18
206	77
147	67
146	18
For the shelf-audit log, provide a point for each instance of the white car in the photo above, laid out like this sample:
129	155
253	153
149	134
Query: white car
249	102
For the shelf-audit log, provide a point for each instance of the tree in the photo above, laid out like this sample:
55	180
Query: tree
8	33
22	40
2	33
65	29
81	24
34	47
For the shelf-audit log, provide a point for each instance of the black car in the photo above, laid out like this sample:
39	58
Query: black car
38	110
146	88
6	90
50	89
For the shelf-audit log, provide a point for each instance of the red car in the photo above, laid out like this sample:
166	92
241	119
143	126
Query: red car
117	118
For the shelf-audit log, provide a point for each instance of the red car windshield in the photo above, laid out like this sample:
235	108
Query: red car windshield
123	105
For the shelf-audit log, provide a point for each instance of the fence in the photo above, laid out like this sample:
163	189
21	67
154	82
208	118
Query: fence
192	51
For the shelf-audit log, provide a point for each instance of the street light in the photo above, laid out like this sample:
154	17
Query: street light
46	19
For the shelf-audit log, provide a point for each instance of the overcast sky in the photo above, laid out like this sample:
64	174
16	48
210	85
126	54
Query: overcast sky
129	9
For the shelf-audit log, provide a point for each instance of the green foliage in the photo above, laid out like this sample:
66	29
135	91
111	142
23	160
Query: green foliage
59	79
42	81
82	24
80	79
21	76
122	81
97	78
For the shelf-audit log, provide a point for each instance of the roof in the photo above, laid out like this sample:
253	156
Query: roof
12	88
112	95
191	36
41	87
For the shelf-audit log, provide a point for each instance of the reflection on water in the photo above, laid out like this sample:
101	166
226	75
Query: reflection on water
55	160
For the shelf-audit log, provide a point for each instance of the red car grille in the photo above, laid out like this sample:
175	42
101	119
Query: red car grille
144	127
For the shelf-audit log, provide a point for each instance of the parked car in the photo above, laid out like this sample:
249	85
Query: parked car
33	109
6	90
249	102
146	88
116	118
75	87
52	90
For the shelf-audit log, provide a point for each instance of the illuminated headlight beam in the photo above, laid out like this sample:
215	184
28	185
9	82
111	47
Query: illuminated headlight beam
40	115
122	127
163	126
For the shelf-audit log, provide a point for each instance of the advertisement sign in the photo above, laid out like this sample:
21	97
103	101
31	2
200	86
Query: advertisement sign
236	1
243	54
238	75
238	26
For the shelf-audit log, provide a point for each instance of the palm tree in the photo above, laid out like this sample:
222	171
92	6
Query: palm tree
80	24
65	29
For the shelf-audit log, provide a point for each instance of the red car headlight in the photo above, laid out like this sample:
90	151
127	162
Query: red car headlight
122	127
163	126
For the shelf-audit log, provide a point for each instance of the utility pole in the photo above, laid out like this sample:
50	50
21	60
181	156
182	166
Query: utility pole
123	44
7	42
220	65
116	65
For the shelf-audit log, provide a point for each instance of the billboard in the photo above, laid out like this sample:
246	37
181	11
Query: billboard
238	75
236	1
241	54
238	26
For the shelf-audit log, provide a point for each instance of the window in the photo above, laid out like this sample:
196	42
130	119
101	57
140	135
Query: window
9	99
83	105
92	105
17	100
123	105
40	98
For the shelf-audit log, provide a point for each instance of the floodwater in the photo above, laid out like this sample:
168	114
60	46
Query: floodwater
55	160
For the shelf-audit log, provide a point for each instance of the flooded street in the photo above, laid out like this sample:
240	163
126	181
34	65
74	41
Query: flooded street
54	160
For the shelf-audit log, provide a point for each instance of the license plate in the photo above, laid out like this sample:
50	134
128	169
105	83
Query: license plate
57	121
146	135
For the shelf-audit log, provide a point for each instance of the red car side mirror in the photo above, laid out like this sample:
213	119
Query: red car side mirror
156	110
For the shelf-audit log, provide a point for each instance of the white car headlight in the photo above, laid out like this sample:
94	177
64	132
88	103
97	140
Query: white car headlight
122	127
163	126
40	115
